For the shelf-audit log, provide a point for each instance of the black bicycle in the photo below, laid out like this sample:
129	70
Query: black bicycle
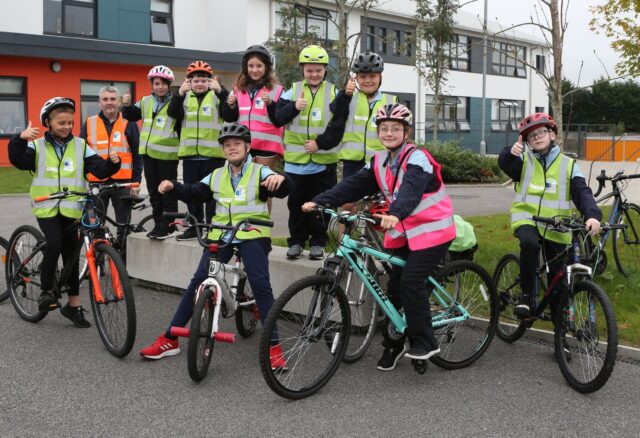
4	290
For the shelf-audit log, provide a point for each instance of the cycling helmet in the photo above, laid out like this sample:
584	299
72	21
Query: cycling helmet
536	120
234	130
313	55
394	111
368	62
199	67
53	103
379	207
257	48
162	72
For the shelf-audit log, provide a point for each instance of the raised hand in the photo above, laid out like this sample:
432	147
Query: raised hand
31	133
517	147
185	87
301	104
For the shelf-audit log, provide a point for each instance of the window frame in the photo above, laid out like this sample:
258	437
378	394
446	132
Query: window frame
507	61
82	4
446	123
454	55
329	16
16	98
168	15
387	46
499	124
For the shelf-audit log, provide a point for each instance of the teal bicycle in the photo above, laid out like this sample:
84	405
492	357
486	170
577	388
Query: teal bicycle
313	317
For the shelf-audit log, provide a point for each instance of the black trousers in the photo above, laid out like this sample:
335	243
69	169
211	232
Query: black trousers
409	290
312	226
121	208
61	234
192	172
156	171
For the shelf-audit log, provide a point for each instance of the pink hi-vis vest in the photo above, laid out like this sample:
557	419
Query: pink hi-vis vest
253	114
431	222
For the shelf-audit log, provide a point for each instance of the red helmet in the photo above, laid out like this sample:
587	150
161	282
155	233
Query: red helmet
379	207
536	120
199	67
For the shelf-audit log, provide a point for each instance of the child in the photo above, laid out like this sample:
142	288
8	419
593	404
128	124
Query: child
546	181
53	158
419	225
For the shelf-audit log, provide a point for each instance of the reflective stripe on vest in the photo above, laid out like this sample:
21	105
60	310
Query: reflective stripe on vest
431	223
543	194
309	124
360	140
253	114
200	127
53	173
233	206
103	143
158	138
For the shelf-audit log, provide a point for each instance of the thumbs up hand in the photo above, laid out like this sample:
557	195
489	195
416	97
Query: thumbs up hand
517	147
30	133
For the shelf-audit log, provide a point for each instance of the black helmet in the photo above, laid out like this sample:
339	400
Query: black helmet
234	130
257	48
53	103
368	62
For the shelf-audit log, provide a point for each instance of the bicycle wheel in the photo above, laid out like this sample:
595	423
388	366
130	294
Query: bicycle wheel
463	342
310	323
506	277
4	290
201	341
591	254
626	243
115	314
586	337
22	271
247	315
146	224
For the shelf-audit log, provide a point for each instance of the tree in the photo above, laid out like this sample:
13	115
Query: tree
619	19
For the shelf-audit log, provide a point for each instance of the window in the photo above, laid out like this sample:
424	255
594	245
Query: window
311	20
382	39
540	63
408	38
407	99
89	95
70	17
13	108
371	39
389	39
397	38
454	113
508	60
539	109
459	50
506	114
161	22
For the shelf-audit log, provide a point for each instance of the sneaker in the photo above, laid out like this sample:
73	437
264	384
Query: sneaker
189	234
161	347
152	234
390	357
316	253
523	310
75	315
164	232
277	358
47	301
421	353
295	251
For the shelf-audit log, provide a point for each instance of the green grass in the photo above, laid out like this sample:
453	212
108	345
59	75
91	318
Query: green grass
13	180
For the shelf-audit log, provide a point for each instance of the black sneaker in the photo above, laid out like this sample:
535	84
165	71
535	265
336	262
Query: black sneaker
75	315
164	232
47	301
189	234
152	234
390	357
294	252
316	253
421	353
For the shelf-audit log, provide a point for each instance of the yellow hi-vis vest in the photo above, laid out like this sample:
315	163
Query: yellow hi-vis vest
200	127
543	193
158	138
53	173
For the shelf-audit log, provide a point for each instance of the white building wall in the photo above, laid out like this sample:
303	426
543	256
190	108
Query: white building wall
24	16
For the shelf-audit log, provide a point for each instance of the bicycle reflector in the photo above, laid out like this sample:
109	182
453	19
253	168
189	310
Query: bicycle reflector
382	208
213	247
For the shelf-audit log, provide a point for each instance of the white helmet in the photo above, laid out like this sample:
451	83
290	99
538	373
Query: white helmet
160	71
53	103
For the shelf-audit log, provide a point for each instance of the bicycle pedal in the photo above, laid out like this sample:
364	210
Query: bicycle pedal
419	365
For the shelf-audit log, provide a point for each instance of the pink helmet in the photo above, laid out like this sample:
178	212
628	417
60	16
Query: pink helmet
394	111
160	71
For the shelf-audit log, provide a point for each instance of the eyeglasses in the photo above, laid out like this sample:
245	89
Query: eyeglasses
538	134
394	130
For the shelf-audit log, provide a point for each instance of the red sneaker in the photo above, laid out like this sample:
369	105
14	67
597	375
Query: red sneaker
162	347
277	358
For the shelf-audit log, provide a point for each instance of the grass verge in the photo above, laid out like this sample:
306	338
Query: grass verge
13	180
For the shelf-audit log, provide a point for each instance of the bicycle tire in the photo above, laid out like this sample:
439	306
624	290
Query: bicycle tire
115	317
24	293
506	277
579	354
201	342
246	316
143	226
472	287
4	290
626	251
310	315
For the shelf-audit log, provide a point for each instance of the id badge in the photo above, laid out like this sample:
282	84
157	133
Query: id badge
160	121
206	110
67	165
241	194
259	103
116	136
316	114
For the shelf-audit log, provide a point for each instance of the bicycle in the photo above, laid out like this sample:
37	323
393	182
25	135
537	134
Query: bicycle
215	296
585	338
112	300
4	291
313	317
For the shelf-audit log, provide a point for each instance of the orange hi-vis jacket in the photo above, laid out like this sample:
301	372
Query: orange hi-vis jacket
103	144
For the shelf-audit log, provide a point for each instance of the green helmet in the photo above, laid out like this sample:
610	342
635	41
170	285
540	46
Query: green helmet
313	55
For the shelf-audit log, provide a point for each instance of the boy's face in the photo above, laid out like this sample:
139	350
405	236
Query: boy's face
369	82
391	133
256	69
61	124
108	103
540	138
159	87
199	83
314	73
235	150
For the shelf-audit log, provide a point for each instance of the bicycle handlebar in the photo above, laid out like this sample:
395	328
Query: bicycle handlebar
619	176
571	223
92	191
347	216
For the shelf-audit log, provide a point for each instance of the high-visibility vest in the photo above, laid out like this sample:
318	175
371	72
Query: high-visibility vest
360	140
253	114
431	222
158	138
103	144
543	193
309	124
200	127
53	174
233	206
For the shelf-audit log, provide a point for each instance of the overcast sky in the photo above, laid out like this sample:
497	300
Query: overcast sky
579	43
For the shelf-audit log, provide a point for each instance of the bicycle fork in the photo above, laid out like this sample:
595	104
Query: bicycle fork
95	274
